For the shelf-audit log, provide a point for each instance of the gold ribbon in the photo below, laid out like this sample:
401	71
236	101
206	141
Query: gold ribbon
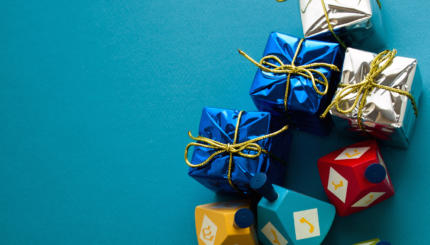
379	4
303	70
330	27
363	88
232	149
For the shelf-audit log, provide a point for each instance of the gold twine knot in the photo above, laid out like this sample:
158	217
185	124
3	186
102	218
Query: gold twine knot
307	71
235	149
232	149
363	88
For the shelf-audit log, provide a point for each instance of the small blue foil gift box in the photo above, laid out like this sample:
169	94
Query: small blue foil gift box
233	146
296	79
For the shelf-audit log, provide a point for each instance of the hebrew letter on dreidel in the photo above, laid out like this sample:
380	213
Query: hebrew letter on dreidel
336	186
356	153
352	153
207	233
370	199
275	239
311	227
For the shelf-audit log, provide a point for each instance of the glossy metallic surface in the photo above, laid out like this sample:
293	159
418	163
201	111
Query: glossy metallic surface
385	111
220	125
304	104
349	14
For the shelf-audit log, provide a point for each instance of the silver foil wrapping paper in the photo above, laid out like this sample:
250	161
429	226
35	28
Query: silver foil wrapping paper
352	20
387	115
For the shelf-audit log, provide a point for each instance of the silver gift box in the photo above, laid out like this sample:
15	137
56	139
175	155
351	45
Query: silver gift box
353	20
386	115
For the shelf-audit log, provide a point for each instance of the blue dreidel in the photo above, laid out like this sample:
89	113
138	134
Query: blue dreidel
287	217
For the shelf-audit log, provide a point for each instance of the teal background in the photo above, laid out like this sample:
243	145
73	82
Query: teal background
96	98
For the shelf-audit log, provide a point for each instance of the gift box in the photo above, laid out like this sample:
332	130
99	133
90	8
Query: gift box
296	80
378	95
233	146
350	22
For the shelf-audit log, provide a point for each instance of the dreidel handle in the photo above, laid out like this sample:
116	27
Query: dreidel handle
375	173
261	184
243	218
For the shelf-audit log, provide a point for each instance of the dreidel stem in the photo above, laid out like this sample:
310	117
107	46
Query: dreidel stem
261	184
243	218
375	173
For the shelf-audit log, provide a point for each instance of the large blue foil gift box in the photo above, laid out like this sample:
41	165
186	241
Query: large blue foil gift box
220	125
303	104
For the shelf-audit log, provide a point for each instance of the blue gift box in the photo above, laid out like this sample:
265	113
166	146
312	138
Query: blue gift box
304	104
220	125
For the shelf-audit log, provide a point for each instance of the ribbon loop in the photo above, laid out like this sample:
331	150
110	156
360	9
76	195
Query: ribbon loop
306	71
363	88
234	148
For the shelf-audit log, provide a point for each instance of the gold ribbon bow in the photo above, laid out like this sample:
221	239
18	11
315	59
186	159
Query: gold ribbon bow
330	27
303	70
232	149
363	88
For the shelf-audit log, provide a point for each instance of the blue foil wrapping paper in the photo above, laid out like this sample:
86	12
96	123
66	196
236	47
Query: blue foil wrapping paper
220	125
304	104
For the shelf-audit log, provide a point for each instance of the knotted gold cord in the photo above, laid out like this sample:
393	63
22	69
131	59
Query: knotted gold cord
363	88
330	27
232	149
303	70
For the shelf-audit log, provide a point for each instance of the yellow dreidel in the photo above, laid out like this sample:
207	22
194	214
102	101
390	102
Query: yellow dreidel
375	241
225	223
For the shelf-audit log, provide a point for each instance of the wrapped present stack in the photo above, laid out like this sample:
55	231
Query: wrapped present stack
309	84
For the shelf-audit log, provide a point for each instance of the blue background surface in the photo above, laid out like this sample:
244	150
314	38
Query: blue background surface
96	98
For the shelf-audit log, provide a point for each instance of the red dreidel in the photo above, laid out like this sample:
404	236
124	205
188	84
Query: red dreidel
355	177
